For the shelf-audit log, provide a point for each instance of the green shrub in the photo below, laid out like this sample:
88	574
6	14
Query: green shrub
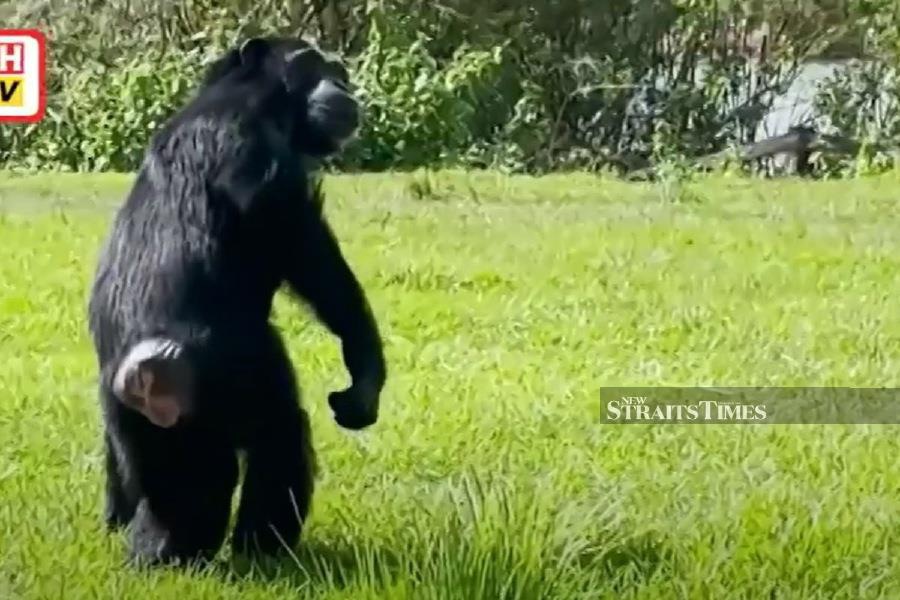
103	117
419	111
520	86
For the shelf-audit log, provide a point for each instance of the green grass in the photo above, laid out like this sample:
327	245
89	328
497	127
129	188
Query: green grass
505	304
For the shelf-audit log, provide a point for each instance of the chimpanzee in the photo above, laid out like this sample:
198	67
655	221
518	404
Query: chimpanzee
221	214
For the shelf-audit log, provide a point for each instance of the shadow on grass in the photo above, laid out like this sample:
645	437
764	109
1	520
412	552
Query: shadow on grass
622	565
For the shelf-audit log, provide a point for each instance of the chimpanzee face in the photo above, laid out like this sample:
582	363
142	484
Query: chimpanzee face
332	112
325	113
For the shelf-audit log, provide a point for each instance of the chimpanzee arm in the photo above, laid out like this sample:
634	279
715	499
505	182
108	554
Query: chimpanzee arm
323	277
317	271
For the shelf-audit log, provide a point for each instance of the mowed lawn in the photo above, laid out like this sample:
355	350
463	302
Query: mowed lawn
505	304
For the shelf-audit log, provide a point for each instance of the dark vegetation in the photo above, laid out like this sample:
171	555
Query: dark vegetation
522	86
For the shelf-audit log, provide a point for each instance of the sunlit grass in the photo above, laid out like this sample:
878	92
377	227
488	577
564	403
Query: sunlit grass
505	304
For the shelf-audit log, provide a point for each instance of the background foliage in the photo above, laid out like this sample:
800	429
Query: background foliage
523	86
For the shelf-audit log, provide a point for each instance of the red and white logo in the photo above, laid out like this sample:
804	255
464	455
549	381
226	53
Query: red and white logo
23	64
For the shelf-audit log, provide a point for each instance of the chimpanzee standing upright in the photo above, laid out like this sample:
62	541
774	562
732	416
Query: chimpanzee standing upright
222	213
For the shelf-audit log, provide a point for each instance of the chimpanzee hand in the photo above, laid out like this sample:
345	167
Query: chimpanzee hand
356	407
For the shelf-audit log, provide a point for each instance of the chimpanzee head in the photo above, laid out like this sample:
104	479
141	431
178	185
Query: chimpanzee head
322	86
323	112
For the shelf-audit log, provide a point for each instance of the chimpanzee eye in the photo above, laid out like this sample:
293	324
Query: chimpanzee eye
337	70
307	59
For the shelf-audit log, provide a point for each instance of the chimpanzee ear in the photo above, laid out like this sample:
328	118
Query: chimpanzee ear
254	50
302	68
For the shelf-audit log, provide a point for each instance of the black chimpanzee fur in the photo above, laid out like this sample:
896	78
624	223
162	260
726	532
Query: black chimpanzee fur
221	214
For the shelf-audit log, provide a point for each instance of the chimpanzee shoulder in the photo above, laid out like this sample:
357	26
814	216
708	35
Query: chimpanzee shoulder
228	140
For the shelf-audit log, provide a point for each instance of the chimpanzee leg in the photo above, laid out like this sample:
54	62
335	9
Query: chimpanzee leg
278	486
279	480
186	480
120	503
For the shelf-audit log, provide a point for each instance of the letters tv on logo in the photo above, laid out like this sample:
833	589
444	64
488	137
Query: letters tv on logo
22	75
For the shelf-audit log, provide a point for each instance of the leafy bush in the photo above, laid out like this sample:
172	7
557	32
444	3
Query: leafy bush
104	117
419	111
862	101
523	86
